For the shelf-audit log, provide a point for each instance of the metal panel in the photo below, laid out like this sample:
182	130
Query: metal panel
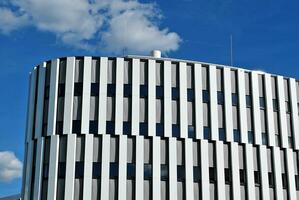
234	153
189	169
290	174
269	110
119	94
282	112
29	162
24	171
183	100
242	106
122	169
250	172
53	167
70	166
69	95
156	190
40	100
198	101
31	105
53	94
88	158
228	105
172	169
213	102
139	168
294	109
277	173
135	96
103	95
38	168
256	108
86	95
220	170
204	156
264	172
105	167
151	98
167	99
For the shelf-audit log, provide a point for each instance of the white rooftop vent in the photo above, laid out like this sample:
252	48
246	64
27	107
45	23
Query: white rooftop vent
156	54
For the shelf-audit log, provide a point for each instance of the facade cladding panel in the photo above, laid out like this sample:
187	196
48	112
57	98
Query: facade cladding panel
151	128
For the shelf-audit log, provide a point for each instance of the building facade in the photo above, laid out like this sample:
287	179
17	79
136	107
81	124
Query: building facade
141	127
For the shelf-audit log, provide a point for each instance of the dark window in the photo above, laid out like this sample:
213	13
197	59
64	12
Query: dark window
220	98
147	171
297	181
275	104
248	101
94	90
257	179
227	175
205	96
46	171
93	127
175	93
206	133
113	170
143	128
127	128
212	174
160	129
264	139
181	172
96	170
284	181
130	171
110	127
61	169
242	177
235	100
164	172
78	89
288	107
175	130
76	126
79	170
271	180
61	90
111	90
191	132
262	103
143	91
237	135
196	174
159	92
59	128
190	95
250	137
221	134
127	90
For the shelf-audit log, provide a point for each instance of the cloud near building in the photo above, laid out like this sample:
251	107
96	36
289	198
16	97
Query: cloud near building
10	166
109	25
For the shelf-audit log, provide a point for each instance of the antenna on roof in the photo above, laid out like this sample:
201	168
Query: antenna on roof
231	50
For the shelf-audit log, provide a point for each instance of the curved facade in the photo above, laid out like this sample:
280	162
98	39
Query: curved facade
156	128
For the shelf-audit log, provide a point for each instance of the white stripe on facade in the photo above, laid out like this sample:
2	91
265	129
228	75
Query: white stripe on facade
205	182
290	174
198	101
40	101
269	110
294	110
213	103
103	95
156	192
53	167
256	108
183	100
277	173
119	95
53	93
86	95
282	112
88	158
105	167
151	98
135	95
69	96
167	99
122	169
242	106
234	154
139	168
220	170
38	168
228	105
264	172
70	166
189	169
250	172
172	169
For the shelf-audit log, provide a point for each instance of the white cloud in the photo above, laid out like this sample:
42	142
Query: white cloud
111	25
10	166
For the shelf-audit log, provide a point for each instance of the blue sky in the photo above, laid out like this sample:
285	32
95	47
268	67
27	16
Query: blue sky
265	37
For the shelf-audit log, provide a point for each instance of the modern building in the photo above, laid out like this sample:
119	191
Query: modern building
146	127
